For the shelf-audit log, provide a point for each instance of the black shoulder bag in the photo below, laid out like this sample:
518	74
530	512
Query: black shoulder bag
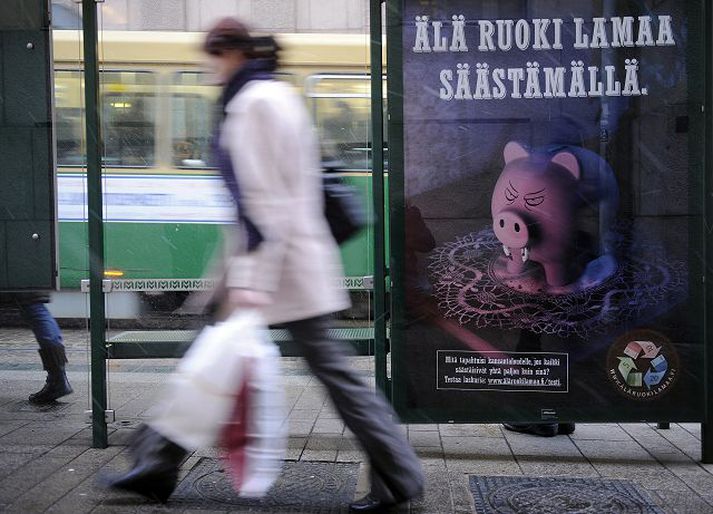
342	205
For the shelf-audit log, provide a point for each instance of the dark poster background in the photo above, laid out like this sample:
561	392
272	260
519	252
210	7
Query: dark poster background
601	198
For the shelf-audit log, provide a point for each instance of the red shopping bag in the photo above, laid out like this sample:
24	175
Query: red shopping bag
254	438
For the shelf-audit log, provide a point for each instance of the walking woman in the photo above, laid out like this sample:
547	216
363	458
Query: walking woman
288	264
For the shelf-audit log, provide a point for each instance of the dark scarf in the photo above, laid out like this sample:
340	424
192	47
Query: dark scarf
254	69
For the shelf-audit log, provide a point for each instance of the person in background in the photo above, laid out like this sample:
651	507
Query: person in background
531	342
288	264
49	337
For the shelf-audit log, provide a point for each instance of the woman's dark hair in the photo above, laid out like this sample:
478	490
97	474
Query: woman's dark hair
227	34
232	34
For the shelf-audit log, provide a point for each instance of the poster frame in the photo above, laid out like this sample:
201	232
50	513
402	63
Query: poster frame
701	238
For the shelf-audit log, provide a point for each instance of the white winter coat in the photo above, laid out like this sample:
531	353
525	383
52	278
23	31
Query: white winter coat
274	151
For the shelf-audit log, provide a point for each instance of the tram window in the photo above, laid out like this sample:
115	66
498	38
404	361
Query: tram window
129	118
342	111
69	114
192	107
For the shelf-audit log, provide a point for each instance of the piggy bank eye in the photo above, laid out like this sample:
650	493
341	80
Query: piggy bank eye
510	196
534	201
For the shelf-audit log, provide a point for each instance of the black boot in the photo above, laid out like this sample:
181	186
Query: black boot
155	471
57	385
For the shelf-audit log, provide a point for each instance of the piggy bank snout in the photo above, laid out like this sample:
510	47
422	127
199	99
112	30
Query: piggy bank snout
512	229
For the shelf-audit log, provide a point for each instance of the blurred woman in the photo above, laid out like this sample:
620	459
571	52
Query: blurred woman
286	263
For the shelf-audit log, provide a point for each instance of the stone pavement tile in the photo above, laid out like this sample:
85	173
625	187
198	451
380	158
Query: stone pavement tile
38	432
300	427
465	430
310	400
613	453
430	455
539	456
423	438
474	447
678	502
211	453
55	486
88	494
437	496
10	425
205	511
526	444
414	427
486	466
295	447
322	448
303	414
693	428
651	476
4	400
600	431
296	379
350	451
84	437
555	466
131	404
460	492
697	479
642	431
329	412
683	440
328	426
34	471
9	462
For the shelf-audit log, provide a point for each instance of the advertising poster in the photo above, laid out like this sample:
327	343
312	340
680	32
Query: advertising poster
551	211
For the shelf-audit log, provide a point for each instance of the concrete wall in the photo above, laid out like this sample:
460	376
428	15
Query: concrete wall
197	15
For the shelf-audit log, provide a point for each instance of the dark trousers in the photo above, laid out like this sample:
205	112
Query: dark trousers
42	323
396	473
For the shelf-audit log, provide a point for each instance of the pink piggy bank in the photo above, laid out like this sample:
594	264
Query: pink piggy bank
534	208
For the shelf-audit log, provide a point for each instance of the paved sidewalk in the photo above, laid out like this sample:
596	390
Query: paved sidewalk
47	463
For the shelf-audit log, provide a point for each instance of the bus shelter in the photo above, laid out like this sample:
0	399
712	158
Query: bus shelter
547	217
549	176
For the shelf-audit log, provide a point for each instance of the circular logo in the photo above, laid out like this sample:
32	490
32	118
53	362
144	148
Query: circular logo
642	364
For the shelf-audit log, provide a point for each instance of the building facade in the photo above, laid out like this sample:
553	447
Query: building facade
198	15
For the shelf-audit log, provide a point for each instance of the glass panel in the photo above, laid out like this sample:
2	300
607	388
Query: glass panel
342	113
69	117
192	119
129	118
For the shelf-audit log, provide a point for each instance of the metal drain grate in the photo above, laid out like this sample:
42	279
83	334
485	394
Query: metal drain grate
303	486
545	495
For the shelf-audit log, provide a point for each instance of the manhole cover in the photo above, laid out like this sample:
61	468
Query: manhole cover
25	406
532	495
302	487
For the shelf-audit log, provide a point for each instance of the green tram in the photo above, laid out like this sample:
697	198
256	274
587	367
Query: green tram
164	208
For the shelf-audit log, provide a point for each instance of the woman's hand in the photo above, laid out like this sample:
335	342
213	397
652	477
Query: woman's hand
242	299
248	298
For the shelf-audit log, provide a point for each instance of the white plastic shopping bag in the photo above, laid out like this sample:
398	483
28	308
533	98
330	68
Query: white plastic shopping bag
232	365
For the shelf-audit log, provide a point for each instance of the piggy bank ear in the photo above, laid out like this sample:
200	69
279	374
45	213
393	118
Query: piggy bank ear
514	151
569	162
